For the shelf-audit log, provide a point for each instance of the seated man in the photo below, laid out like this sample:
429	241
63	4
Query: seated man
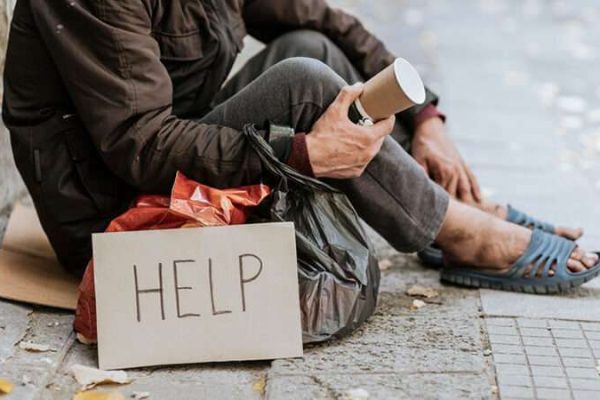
106	99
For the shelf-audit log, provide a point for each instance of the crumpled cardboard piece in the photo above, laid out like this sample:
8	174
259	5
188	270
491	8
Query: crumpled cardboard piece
29	270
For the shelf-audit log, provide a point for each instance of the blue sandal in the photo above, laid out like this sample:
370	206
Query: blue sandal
433	257
543	251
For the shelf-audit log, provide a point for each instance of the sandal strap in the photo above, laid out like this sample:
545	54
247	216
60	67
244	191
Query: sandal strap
520	218
543	251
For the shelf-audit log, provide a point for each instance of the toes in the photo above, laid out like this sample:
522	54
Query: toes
575	265
590	259
578	254
569	233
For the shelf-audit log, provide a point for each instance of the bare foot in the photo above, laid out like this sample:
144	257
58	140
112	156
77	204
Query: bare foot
501	212
474	238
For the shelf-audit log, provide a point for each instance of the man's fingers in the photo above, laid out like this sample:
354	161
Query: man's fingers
383	128
475	189
452	185
347	96
464	191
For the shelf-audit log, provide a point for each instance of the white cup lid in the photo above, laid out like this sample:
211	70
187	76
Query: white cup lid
409	81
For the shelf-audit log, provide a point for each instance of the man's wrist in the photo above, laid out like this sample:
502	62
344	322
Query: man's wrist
431	126
428	113
299	158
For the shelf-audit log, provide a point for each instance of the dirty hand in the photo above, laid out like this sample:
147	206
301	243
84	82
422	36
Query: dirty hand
338	148
435	152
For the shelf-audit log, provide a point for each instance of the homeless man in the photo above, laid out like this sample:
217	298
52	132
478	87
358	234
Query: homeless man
108	98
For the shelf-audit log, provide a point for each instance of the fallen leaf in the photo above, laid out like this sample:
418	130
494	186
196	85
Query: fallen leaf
5	386
421	291
385	264
140	395
356	394
259	386
34	347
96	395
89	377
416	304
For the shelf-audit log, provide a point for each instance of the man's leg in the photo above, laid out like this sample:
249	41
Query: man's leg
394	195
302	43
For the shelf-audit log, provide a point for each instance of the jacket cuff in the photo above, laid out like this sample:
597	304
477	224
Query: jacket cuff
299	159
430	111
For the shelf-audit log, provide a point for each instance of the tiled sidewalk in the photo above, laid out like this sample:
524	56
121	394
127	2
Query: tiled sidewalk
545	359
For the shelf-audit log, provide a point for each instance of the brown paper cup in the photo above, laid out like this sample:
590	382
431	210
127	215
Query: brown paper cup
395	89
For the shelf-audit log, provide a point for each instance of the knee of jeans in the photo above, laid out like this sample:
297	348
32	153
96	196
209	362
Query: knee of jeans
306	43
311	78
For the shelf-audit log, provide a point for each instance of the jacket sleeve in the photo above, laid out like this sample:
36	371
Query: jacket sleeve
267	19
110	66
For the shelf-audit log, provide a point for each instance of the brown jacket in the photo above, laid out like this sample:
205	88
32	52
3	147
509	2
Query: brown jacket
97	93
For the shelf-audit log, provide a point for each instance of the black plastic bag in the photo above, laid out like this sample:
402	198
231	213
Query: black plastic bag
337	269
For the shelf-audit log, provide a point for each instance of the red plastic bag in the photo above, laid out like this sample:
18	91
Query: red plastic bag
191	205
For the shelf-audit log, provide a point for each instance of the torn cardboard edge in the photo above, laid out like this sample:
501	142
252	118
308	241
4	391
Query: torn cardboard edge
29	270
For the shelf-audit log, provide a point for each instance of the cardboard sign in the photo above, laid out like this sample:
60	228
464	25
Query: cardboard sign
197	295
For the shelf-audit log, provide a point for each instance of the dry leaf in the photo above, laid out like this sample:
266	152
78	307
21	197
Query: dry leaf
34	347
5	386
416	304
96	395
356	394
140	395
421	291
89	377
385	264
259	386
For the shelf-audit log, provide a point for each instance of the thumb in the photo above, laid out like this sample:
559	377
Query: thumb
347	96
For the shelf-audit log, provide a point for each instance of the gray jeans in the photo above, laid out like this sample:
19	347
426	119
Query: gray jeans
291	82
